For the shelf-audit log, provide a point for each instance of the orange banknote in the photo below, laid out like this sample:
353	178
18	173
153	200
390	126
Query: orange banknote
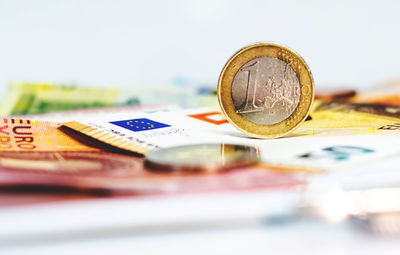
32	136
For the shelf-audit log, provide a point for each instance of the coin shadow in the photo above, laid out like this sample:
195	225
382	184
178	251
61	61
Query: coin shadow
91	142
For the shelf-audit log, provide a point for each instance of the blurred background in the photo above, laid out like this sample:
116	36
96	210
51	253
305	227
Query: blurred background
125	43
115	46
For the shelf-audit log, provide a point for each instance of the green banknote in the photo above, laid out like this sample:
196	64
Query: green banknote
36	98
28	98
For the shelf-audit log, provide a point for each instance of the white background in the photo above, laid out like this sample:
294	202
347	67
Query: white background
129	43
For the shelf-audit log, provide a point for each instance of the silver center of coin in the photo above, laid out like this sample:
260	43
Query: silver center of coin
265	90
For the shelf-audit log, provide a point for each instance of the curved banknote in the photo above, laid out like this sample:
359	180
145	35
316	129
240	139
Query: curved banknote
331	138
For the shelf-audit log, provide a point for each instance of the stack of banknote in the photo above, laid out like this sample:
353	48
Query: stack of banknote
59	140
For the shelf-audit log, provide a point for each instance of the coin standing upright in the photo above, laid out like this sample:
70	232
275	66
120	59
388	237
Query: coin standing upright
266	90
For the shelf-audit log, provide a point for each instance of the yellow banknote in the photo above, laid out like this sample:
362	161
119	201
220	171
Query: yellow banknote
339	118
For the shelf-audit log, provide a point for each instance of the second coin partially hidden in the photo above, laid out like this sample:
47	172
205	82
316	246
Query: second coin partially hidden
202	157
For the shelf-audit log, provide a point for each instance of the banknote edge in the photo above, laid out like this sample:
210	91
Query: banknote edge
105	137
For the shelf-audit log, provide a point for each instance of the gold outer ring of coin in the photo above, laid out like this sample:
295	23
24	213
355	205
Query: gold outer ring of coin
278	51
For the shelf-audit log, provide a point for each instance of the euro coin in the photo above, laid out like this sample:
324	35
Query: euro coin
266	90
202	157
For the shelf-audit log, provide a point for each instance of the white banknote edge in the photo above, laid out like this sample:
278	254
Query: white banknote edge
327	153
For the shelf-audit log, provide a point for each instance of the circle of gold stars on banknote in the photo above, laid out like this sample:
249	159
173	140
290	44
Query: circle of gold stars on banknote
137	124
266	90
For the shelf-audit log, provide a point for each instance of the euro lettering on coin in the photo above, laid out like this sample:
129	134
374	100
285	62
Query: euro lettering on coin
202	157
266	90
